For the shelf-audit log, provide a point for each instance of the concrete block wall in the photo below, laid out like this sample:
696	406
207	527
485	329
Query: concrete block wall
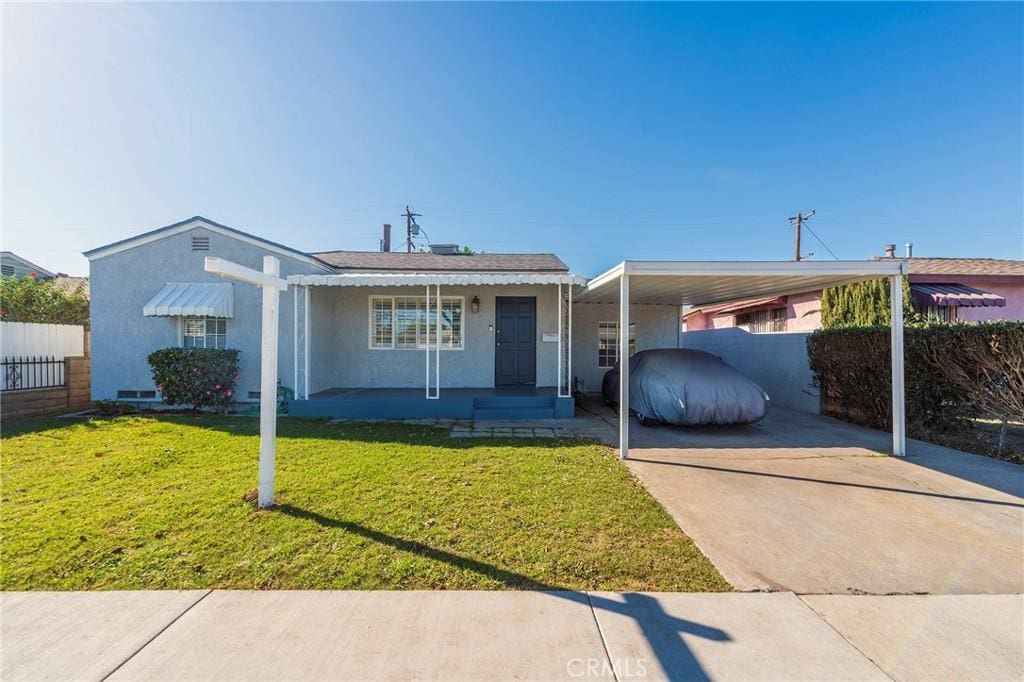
778	362
38	402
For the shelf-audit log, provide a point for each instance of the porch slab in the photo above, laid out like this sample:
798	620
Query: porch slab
517	402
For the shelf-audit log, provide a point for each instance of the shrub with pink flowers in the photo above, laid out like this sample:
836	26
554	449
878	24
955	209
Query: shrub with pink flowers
198	377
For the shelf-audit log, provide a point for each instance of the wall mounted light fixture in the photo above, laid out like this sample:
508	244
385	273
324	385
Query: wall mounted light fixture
474	305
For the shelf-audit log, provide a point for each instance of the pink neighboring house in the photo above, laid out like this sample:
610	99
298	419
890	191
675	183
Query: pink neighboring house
970	289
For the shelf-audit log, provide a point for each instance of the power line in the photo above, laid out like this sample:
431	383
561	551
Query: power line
820	241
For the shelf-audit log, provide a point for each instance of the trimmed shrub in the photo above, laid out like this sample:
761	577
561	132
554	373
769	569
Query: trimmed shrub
953	373
864	304
199	377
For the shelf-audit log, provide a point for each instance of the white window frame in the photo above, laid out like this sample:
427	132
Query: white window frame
602	330
394	345
182	323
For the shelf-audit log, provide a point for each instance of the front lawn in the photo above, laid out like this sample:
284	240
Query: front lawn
156	503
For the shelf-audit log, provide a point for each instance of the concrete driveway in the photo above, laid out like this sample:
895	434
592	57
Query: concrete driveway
811	505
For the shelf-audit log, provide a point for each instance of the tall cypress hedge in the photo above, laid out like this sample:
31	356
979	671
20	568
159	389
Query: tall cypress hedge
864	304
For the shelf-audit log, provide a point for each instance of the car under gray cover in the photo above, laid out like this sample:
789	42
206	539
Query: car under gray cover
687	388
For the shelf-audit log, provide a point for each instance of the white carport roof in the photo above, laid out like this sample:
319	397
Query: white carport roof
708	282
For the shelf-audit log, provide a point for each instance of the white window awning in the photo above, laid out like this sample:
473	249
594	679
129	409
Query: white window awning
399	279
200	300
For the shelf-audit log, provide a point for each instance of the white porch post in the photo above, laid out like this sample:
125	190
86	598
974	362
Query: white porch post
306	334
899	435
558	385
295	341
624	364
568	377
426	348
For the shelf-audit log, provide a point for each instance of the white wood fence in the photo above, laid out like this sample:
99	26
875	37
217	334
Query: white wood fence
21	341
30	340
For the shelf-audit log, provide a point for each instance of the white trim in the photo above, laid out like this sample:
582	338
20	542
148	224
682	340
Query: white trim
295	342
240	273
558	390
392	279
394	312
569	377
157	235
840	268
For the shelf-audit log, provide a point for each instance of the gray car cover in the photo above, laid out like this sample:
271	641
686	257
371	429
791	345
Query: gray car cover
688	388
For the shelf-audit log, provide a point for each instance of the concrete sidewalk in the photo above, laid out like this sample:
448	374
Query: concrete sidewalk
229	635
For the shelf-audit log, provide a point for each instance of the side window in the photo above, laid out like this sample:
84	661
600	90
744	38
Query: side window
204	332
608	343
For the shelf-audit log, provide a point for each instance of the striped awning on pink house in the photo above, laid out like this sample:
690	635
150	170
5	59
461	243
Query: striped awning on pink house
953	295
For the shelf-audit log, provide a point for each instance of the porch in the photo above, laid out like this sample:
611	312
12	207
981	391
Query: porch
481	404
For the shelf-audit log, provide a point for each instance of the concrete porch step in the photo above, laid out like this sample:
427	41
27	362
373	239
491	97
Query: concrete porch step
503	413
514	401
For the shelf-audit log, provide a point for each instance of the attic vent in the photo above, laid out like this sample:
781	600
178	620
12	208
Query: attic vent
200	243
7	270
444	249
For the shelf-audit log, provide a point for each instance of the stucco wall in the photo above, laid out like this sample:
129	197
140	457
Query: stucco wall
657	326
341	357
122	283
778	362
803	312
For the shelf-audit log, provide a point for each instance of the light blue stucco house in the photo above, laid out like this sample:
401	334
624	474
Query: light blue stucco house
358	332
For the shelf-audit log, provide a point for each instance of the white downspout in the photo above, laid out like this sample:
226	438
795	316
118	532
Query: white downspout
306	340
295	340
568	378
558	389
427	346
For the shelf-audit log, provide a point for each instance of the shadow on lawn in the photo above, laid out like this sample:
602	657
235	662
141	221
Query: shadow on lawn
661	630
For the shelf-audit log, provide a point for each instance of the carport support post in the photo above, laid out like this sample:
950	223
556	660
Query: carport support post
624	364
899	436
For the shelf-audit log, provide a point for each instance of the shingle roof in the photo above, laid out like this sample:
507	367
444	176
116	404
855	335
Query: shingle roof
965	266
430	262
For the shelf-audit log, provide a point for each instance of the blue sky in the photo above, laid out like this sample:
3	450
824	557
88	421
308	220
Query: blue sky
599	132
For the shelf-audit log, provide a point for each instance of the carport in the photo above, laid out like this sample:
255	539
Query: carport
700	283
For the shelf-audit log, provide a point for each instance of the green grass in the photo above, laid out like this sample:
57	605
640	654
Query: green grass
156	503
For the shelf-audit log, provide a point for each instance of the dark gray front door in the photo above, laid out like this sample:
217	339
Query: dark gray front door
515	341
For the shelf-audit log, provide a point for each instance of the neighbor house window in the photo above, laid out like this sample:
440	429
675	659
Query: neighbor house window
608	343
402	322
763	321
941	313
204	332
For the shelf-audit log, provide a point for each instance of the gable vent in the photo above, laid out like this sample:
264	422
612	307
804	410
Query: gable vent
200	243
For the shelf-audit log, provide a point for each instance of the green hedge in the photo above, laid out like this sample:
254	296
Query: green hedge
199	377
952	372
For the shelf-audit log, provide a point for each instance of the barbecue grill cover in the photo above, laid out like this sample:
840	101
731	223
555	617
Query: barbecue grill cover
688	387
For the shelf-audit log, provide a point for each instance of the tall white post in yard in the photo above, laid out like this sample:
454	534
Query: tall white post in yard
272	286
268	385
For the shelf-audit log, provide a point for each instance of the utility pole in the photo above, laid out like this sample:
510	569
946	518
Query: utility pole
798	221
410	222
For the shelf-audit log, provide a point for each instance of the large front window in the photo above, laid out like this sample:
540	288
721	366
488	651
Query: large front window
608	343
204	332
402	322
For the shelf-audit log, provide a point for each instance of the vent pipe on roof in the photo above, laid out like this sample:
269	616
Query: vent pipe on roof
385	243
910	249
890	250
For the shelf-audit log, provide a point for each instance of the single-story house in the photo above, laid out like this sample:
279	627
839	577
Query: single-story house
13	265
354	325
438	334
966	289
